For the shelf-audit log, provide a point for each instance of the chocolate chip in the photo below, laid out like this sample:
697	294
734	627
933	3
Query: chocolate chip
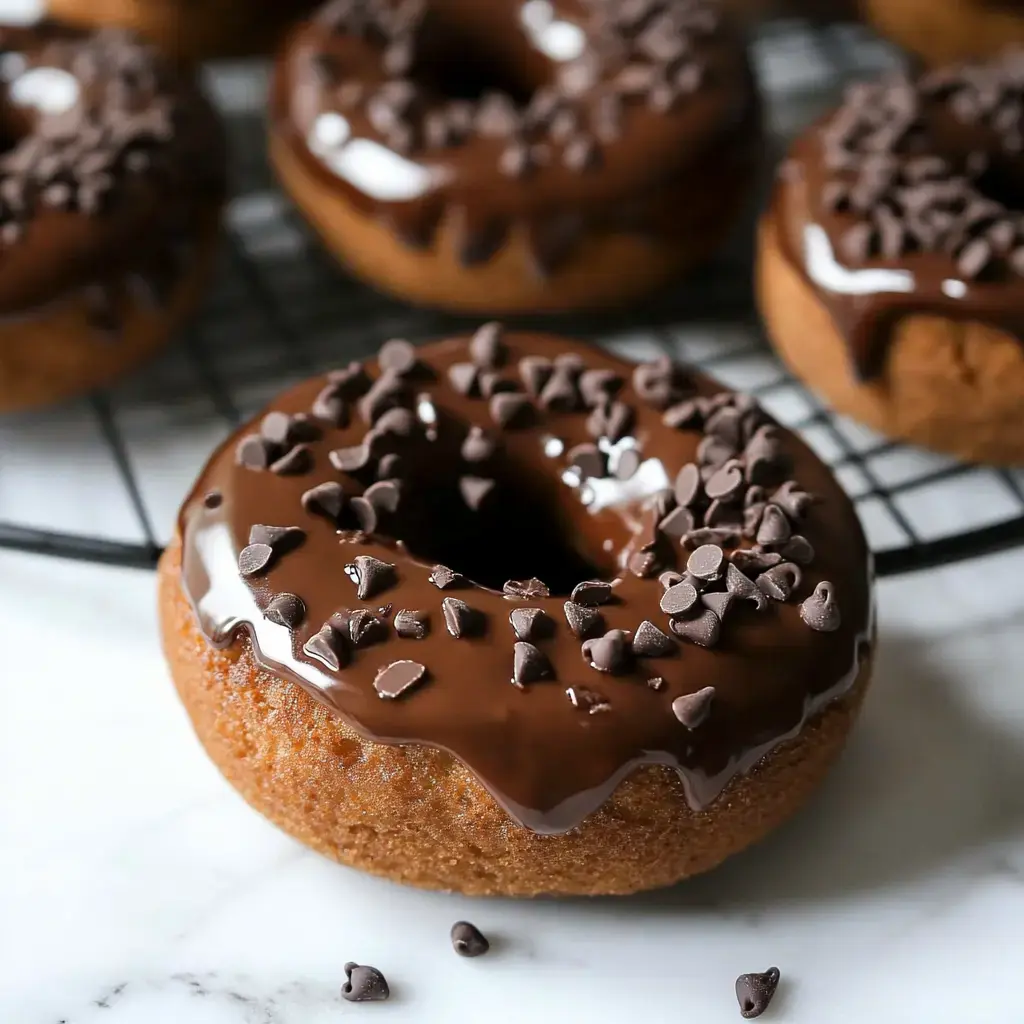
442	577
350	381
656	382
478	446
798	549
295	462
588	460
213	499
677	523
254	452
718	602
713	451
591	592
692	709
486	348
525	589
276	428
385	393
475	490
531	624
328	647
584	622
285	610
650	642
326	499
598	385
678	599
688	485
412	624
330	407
460	619
645	562
793	500
468	940
365	514
364	984
509	409
689	413
774	528
727	483
609	653
753	562
821	611
348	460
720	536
754	991
397	356
535	372
254	559
370	575
725	424
364	628
706	562
464	377
779	582
723	514
627	463
389	467
528	664
383	495
705	629
669	578
280	538
656	682
611	420
396	679
585	699
393	421
560	394
743	588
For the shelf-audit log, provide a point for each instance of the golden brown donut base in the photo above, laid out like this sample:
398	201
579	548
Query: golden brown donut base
945	31
57	352
418	816
953	386
607	269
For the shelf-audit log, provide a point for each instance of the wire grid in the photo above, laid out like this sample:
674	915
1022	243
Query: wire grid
101	479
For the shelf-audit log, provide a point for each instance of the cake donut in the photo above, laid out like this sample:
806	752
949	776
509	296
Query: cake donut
891	271
513	156
505	615
110	191
944	31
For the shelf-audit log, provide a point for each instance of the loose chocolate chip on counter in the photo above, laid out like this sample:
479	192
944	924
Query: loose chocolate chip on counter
743	588
281	538
774	528
464	378
598	385
528	664
365	984
486	348
677	524
753	562
525	589
534	371
531	624
468	940
650	642
397	356
821	611
328	647
478	446
583	621
442	577
585	699
718	602
364	628
348	460
588	460
692	709
591	592
370	575
412	624
254	559
678	599
704	630
707	562
285	610
294	462
475	490
509	409
755	991
780	581
327	499
398	678
608	653
688	486
460	619
255	452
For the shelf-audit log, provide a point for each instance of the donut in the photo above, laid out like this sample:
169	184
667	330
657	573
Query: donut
891	266
508	157
944	31
505	615
111	185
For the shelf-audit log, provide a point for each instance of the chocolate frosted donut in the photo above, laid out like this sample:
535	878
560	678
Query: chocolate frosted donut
111	181
502	615
892	258
516	156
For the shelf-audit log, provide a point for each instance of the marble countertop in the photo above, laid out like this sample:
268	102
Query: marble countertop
135	886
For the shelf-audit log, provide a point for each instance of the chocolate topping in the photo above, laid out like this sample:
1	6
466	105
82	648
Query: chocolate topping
755	991
554	764
468	940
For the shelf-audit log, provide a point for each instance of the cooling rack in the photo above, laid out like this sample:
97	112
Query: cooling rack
101	479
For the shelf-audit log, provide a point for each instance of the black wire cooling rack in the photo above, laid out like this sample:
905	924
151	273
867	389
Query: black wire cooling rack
101	479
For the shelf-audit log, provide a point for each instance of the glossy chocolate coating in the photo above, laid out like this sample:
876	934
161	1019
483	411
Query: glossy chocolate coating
547	762
649	180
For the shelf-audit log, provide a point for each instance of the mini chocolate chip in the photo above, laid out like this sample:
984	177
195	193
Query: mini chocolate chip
704	629
718	602
528	664
327	499
412	624
677	523
531	624
460	619
591	592
780	581
627	464
475	490
755	991
464	378
330	407
328	647
774	528
753	562
584	622
295	462
650	642
364	628
370	575
797	549
486	348
678	599
254	559
726	484
609	653
559	393
398	678
397	356
442	577
468	940
534	372
820	611
285	610
692	709
688	485
348	460
364	984
706	562
525	589
509	409
276	428
597	385
478	446
743	588
588	460
254	452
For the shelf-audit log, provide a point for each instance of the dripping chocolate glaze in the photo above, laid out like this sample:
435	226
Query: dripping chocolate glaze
619	164
869	293
548	762
107	193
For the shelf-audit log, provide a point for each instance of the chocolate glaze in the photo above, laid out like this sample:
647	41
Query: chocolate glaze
547	762
867	298
160	188
652	170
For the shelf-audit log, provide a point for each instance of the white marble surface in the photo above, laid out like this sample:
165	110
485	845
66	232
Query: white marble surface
137	888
